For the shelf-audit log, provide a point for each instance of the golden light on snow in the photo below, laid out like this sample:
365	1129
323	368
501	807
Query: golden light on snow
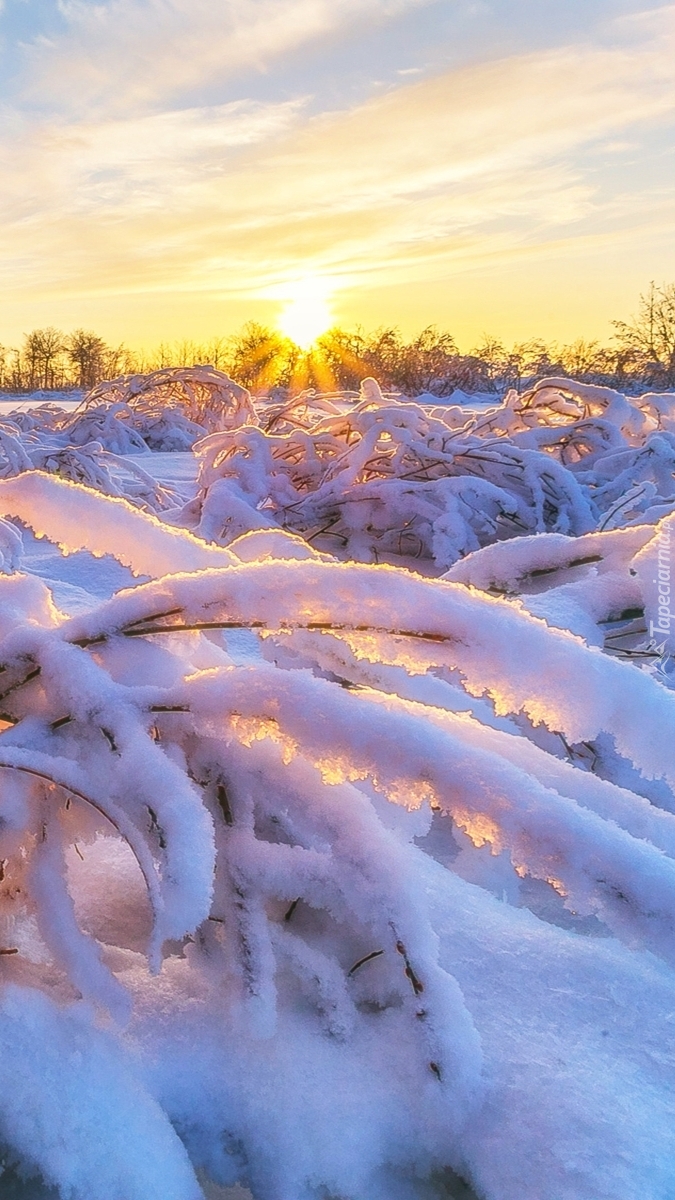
480	827
307	314
249	730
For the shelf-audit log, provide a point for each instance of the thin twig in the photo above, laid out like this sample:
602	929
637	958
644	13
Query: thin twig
224	802
416	983
169	708
60	723
362	961
169	612
20	682
308	626
626	633
66	787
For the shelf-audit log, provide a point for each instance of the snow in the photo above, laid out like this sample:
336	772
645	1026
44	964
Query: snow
322	877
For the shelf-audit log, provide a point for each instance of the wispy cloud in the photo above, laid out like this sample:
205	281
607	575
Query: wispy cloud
122	54
471	166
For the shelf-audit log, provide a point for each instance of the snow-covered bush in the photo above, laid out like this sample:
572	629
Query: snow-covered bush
203	395
90	464
244	809
380	479
62	448
367	476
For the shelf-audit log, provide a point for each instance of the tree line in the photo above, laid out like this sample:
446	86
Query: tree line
641	354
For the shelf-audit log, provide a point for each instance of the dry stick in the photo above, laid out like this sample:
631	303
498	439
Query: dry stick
20	682
415	982
224	803
133	630
573	562
417	987
624	653
169	612
60	723
626	633
192	628
309	626
318	533
362	961
109	739
628	614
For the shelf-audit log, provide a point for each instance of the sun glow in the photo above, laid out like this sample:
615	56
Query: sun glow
306	314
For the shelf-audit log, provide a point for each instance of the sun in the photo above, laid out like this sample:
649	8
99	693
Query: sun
307	313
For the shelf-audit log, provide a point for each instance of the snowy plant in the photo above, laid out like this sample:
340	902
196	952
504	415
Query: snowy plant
67	453
376	479
201	394
384	478
366	476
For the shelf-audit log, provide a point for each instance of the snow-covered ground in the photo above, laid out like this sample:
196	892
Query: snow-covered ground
325	877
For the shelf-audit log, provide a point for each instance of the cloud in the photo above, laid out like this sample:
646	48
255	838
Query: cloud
124	54
473	166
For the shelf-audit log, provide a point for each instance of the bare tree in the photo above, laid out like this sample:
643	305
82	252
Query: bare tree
87	352
42	350
216	352
581	359
647	342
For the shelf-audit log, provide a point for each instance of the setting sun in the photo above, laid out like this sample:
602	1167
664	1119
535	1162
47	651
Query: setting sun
306	314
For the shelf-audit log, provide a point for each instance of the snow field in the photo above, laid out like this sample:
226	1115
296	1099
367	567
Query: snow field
322	877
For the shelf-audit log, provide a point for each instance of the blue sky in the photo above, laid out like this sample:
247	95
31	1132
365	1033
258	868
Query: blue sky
171	168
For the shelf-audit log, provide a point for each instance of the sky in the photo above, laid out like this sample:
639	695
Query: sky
170	169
